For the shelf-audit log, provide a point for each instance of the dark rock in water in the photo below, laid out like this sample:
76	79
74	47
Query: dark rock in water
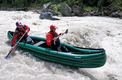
14	9
66	10
47	15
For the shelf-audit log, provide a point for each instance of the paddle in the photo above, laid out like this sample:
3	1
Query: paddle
64	33
15	46
61	35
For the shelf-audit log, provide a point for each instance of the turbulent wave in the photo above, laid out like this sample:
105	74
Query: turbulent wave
93	32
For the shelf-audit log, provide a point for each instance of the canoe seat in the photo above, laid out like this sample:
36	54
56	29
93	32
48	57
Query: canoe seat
39	43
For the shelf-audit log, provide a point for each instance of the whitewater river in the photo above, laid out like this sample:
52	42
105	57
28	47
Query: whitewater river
92	32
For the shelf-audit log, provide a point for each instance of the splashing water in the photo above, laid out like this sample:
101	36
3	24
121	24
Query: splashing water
93	32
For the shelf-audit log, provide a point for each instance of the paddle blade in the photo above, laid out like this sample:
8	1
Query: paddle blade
6	57
66	31
8	54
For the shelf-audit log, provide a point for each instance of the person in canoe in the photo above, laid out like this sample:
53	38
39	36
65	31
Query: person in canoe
19	31
53	41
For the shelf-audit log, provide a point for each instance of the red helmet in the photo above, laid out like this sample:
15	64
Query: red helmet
53	26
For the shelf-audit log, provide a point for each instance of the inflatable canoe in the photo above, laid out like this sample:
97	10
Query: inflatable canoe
77	57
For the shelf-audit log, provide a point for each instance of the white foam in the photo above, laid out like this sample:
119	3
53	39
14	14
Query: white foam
95	32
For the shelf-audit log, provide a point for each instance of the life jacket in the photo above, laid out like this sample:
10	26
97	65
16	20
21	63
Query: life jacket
18	33
50	35
55	35
21	31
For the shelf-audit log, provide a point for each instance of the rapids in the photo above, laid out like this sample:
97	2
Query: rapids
92	32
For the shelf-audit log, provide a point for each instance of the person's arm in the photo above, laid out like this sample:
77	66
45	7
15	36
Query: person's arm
49	39
14	39
61	34
27	29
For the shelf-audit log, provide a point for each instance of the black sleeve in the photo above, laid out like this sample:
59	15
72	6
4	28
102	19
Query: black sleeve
52	41
60	34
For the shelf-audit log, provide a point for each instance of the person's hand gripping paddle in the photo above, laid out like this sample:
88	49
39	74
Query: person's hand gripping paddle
15	46
61	35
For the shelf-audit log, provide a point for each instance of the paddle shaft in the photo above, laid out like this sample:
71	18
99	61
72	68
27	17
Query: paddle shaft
17	43
61	35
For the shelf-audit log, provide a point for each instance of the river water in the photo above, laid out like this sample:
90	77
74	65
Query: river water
92	32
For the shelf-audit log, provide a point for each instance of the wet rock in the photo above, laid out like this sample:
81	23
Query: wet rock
120	14
15	9
114	14
77	10
47	15
66	10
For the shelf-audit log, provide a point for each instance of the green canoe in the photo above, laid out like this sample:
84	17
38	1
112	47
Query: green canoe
77	57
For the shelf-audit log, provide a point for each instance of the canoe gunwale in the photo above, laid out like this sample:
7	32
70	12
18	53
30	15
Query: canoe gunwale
93	57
